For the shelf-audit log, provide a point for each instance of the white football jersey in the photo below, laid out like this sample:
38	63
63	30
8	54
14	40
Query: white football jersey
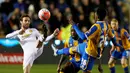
29	39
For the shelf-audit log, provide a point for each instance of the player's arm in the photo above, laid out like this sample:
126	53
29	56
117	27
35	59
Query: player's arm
113	38
116	45
126	34
55	33
41	38
112	45
93	31
14	34
80	33
112	48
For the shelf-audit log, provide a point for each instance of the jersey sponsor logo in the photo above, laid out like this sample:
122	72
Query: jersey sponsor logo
11	58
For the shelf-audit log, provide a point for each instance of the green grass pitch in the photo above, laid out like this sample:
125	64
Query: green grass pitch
48	68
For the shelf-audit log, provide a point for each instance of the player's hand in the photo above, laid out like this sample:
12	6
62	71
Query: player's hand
100	68
56	32
71	21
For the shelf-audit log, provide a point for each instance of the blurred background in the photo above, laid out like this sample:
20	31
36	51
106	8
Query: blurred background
82	12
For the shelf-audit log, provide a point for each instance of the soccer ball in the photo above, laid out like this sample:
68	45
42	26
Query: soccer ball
44	14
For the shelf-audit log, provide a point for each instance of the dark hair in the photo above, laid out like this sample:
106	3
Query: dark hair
24	15
45	30
101	12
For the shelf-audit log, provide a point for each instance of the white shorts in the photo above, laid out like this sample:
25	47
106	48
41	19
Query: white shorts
30	56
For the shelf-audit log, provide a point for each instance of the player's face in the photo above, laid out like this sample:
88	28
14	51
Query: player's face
25	22
114	25
73	33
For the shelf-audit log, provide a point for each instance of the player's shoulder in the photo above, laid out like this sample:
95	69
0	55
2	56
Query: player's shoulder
122	29
33	29
96	26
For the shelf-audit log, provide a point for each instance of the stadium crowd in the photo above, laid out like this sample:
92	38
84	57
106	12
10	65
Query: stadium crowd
82	12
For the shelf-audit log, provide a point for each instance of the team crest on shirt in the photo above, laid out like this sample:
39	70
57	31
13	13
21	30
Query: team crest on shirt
27	34
30	31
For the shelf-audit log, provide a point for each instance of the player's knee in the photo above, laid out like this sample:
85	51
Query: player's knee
124	63
109	62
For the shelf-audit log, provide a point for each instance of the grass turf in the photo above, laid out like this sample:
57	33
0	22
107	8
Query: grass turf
48	68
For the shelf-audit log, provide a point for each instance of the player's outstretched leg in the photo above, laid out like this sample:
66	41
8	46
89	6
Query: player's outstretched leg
111	64
87	63
54	49
65	51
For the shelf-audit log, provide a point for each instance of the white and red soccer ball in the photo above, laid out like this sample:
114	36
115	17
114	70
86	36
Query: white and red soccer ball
44	14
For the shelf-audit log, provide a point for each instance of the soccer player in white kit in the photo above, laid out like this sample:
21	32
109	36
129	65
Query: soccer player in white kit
31	41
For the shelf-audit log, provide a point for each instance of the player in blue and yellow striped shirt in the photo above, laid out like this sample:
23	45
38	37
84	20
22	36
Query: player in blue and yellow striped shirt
119	53
74	58
96	37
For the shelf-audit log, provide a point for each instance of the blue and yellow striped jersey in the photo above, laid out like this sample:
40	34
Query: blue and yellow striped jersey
118	38
73	43
125	39
96	37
